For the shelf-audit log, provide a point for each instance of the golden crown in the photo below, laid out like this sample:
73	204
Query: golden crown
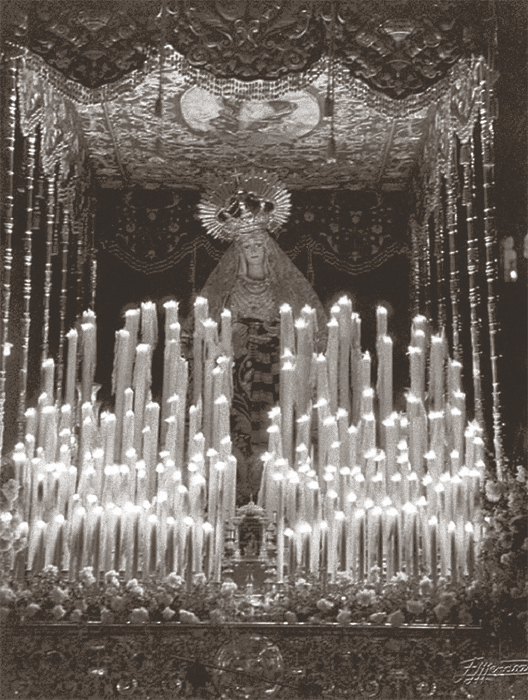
244	204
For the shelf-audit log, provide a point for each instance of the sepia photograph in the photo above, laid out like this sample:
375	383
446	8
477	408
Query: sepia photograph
263	349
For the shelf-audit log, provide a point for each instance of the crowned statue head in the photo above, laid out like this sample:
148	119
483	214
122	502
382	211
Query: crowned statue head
244	205
255	276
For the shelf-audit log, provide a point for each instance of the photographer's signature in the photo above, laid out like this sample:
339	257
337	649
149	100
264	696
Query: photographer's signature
478	670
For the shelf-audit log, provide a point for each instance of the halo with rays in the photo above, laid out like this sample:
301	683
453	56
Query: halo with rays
242	203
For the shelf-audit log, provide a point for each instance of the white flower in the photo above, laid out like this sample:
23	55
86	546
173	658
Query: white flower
76	615
138	616
188	618
164	598
324	605
58	612
112	579
365	597
396	618
175	580
217	617
344	617
107	616
493	491
7	595
426	586
86	576
229	587
32	609
10	490
415	607
168	613
58	595
378	617
118	603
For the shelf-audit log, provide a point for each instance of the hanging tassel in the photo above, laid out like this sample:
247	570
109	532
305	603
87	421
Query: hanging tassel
328	110
331	150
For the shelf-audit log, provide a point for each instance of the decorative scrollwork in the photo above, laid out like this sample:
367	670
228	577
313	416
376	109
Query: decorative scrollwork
94	44
249	666
247	40
397	48
404	48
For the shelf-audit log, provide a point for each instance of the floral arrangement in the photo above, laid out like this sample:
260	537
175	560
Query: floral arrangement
49	596
13	532
503	577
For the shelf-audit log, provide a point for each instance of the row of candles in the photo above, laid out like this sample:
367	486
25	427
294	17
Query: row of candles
348	482
376	488
147	488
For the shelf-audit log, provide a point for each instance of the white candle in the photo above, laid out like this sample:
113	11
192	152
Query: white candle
89	353
48	380
170	361
287	328
381	321
436	381
226	333
304	357
385	376
210	329
417	434
433	525
332	358
132	319
149	324
71	368
141	387
437	441
127	441
110	423
416	362
287	393
280	529
454	377
120	380
150	446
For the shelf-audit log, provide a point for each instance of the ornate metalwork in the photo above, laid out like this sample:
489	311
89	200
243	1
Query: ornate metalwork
404	48
250	666
248	40
399	48
250	548
94	44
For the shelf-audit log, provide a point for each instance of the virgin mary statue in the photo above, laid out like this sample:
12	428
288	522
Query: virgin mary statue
253	280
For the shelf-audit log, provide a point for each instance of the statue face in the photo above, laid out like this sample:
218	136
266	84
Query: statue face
254	252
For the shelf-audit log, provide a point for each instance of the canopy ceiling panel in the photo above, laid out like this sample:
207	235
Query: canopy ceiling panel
170	89
200	132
